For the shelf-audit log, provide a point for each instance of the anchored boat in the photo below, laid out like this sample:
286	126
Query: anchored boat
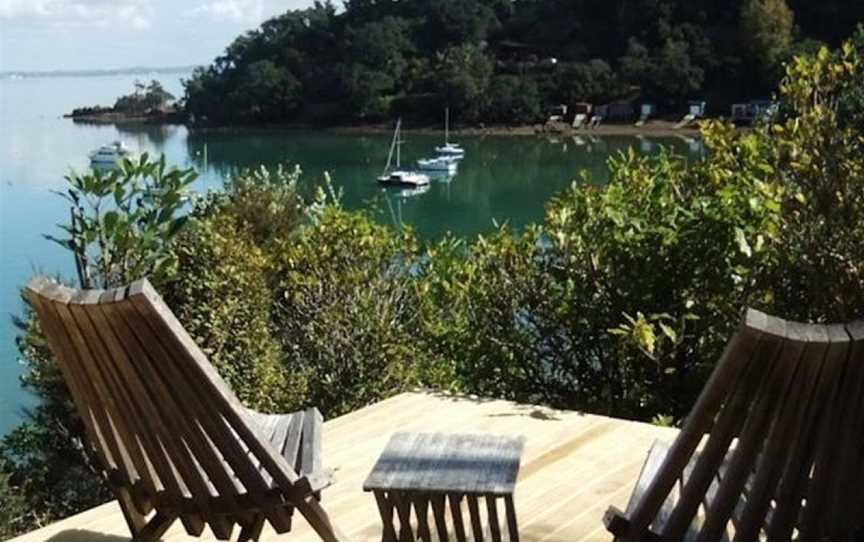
397	176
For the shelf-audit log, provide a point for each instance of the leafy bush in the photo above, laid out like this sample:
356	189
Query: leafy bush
13	508
224	300
123	221
346	311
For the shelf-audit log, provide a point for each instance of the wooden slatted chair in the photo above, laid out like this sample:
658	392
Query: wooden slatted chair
172	440
773	449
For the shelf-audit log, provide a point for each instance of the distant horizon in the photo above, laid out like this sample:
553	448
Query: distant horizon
119	70
85	35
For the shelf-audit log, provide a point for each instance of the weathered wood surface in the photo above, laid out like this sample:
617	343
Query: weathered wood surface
171	439
445	462
773	446
573	467
416	469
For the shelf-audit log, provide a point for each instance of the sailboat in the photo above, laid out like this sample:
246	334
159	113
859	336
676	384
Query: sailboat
400	177
453	150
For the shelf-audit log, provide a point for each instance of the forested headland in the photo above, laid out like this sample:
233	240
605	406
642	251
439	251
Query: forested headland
507	61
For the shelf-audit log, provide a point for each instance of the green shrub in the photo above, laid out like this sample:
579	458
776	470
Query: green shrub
13	509
346	310
223	297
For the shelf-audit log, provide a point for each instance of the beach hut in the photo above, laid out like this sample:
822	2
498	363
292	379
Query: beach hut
646	111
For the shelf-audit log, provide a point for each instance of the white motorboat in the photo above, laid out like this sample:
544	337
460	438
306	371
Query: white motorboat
453	150
397	176
441	164
110	154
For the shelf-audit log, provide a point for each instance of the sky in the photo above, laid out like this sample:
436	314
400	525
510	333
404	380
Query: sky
44	35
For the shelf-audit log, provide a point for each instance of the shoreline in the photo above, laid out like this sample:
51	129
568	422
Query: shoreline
652	128
656	128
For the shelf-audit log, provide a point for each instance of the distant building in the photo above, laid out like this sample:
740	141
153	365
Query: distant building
753	111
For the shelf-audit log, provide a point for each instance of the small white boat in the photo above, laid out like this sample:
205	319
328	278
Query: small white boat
400	177
110	154
453	150
404	178
445	164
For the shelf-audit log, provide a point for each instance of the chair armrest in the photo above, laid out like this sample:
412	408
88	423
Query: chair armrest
314	482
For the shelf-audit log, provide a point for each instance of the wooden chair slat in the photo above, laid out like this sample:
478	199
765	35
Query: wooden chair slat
64	353
173	487
735	360
228	406
784	417
206	433
166	430
769	399
172	430
129	413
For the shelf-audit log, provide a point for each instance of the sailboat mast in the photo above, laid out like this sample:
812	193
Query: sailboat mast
398	143
392	144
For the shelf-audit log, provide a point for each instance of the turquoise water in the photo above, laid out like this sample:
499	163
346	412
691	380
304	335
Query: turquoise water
503	179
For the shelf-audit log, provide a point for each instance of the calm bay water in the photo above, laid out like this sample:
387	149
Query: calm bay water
503	178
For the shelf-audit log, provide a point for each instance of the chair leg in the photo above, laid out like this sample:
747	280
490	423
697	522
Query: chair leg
155	528
134	518
319	520
252	530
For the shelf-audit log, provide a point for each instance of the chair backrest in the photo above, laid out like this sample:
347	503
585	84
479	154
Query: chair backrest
775	443
157	414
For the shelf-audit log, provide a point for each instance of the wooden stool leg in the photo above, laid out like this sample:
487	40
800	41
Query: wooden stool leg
456	511
438	508
512	527
476	523
385	507
403	508
421	508
492	516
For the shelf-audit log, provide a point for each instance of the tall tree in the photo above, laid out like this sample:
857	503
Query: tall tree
766	27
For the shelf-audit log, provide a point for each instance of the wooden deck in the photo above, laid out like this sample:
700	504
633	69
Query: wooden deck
574	466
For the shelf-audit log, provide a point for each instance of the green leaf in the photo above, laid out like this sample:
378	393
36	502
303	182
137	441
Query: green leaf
743	245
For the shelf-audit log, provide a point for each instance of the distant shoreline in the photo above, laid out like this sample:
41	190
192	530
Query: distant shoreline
656	128
652	128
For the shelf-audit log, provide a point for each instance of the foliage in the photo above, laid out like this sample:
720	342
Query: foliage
512	99
224	301
145	98
352	65
346	310
12	508
817	153
593	81
464	74
48	475
766	27
123	221
667	75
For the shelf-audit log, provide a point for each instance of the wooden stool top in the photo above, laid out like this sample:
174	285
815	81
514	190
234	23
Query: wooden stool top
448	463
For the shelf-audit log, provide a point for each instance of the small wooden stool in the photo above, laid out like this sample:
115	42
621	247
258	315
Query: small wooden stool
442	472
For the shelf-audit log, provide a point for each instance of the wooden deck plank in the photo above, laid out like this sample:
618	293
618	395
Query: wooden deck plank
573	467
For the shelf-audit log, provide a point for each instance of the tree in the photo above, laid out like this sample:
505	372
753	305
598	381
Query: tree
592	81
667	75
766	29
266	92
512	99
464	73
